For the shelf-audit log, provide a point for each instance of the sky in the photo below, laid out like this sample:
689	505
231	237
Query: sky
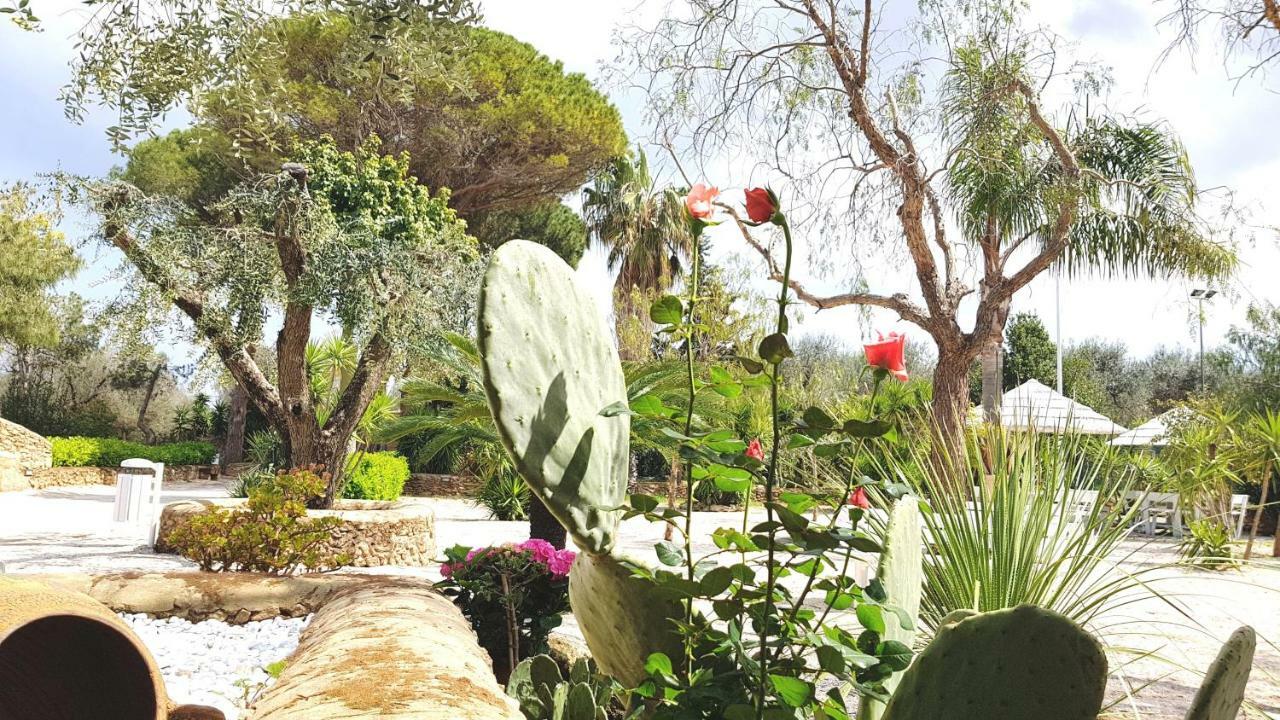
1227	126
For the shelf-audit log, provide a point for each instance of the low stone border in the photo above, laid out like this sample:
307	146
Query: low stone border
373	533
380	647
429	485
11	479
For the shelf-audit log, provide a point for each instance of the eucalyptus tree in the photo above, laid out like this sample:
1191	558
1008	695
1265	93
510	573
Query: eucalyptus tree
923	141
339	238
1248	30
644	230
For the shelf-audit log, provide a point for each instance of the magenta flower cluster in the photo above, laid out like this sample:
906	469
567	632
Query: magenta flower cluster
540	551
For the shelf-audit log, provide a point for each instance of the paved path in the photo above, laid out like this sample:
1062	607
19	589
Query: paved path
70	530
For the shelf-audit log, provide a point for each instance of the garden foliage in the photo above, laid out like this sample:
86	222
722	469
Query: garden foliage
110	452
377	476
270	533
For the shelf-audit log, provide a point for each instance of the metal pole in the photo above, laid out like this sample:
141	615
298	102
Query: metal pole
1201	345
1057	302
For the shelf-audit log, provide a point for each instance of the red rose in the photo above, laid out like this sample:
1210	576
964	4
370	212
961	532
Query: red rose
699	200
760	205
858	498
886	354
755	451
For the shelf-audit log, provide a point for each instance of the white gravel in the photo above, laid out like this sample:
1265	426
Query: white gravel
214	663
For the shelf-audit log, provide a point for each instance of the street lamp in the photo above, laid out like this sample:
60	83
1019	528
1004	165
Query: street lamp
1200	295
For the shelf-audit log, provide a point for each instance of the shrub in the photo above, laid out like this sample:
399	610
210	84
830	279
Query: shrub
492	586
504	495
1208	545
110	452
247	481
270	533
377	476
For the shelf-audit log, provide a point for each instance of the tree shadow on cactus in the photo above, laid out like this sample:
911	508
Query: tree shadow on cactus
548	425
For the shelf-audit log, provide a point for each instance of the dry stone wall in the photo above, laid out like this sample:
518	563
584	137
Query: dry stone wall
372	533
34	451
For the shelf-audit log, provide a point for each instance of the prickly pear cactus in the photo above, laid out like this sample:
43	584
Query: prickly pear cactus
1025	663
1222	692
550	367
623	619
902	574
544	694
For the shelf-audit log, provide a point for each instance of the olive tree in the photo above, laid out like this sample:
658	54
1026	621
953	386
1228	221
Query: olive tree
344	238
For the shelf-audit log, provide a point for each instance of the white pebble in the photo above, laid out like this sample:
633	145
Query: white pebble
215	663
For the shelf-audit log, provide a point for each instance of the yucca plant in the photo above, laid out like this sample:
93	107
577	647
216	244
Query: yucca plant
1026	532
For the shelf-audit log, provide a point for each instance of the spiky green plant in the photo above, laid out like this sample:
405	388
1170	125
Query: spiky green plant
1024	539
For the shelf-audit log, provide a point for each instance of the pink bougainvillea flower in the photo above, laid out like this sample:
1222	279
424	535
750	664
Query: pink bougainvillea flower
760	205
754	450
560	564
698	201
887	354
858	498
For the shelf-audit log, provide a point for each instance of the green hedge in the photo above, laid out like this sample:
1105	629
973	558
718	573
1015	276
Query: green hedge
377	476
110	452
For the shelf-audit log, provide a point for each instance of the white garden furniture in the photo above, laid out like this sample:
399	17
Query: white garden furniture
138	484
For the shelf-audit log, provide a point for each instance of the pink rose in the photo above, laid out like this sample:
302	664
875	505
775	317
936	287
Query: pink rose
698	201
446	569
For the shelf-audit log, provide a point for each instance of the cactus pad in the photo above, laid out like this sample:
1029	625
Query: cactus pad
550	367
902	574
622	617
1025	663
1222	692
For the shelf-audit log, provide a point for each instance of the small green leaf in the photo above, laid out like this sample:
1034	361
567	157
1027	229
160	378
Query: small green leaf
669	553
666	310
774	349
751	365
658	663
860	429
871	617
793	691
716	581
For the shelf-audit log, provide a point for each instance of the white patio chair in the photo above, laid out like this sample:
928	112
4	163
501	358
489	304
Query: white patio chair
1160	511
1239	509
138	495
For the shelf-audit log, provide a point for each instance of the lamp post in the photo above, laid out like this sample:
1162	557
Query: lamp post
1200	295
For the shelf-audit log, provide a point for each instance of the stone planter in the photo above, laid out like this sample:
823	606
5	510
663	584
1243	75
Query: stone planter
373	533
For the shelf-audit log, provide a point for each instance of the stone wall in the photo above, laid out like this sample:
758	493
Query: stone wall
33	451
428	485
69	476
372	532
11	475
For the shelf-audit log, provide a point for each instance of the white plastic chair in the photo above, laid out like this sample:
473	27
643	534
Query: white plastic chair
1239	509
138	495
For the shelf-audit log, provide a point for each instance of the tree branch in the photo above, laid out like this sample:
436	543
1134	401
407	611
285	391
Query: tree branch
215	331
898	303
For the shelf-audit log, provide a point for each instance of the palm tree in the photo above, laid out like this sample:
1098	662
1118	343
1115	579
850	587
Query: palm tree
644	230
1137	214
1262	447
